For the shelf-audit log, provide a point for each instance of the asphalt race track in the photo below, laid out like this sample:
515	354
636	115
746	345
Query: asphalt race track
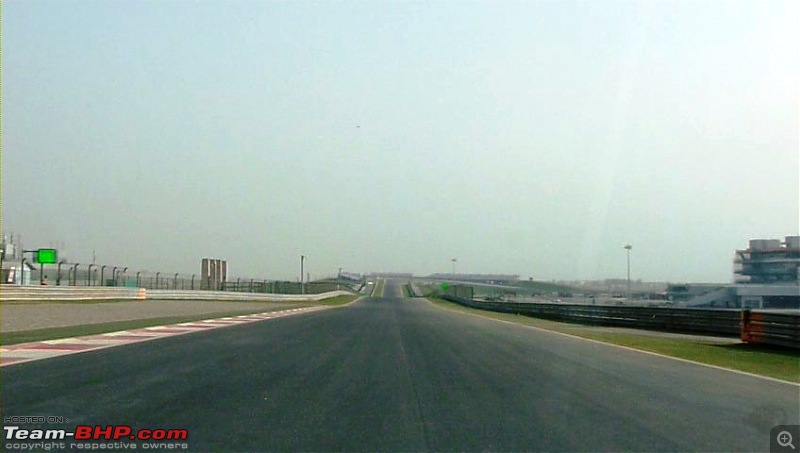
398	374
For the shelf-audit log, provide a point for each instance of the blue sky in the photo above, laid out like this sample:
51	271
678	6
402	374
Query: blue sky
534	138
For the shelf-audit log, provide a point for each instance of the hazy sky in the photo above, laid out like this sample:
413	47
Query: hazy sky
531	137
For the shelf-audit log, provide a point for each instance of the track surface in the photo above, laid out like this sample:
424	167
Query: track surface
395	374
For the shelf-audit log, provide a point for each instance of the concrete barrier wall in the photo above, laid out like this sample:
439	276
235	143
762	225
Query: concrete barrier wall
227	295
43	293
14	292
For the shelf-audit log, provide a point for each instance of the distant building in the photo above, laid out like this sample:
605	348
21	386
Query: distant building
766	276
351	276
768	261
478	278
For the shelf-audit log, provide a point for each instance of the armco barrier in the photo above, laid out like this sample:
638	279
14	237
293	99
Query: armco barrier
781	329
21	293
723	322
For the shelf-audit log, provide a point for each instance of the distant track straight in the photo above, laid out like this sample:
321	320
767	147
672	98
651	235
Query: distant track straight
400	374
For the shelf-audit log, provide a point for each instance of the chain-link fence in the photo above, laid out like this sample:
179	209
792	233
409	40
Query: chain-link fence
76	274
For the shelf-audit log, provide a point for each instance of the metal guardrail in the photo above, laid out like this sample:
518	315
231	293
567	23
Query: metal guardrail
752	327
781	329
722	322
66	293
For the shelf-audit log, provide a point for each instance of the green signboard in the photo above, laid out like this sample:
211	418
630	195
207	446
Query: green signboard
445	286
46	256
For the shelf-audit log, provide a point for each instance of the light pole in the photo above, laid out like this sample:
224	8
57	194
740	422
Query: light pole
628	249
302	264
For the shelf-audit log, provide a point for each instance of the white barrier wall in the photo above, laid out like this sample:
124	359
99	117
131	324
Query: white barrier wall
14	292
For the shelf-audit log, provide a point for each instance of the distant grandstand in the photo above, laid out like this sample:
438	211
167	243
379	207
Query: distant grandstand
350	276
478	278
391	275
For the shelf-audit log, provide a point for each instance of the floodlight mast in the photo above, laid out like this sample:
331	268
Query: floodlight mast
628	249
302	264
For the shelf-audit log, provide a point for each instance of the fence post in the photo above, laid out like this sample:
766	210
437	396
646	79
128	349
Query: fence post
58	273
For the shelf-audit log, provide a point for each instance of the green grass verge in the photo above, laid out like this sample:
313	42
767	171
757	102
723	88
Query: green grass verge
378	291
779	363
429	290
338	300
522	287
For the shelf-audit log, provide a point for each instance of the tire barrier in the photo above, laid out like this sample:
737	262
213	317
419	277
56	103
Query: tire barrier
782	329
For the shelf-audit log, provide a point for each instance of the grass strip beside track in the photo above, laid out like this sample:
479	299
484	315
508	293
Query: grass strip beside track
378	291
338	300
775	362
54	333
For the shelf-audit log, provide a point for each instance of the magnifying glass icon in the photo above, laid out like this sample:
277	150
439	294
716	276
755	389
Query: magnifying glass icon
785	439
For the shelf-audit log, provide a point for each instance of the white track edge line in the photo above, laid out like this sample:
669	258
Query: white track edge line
708	365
